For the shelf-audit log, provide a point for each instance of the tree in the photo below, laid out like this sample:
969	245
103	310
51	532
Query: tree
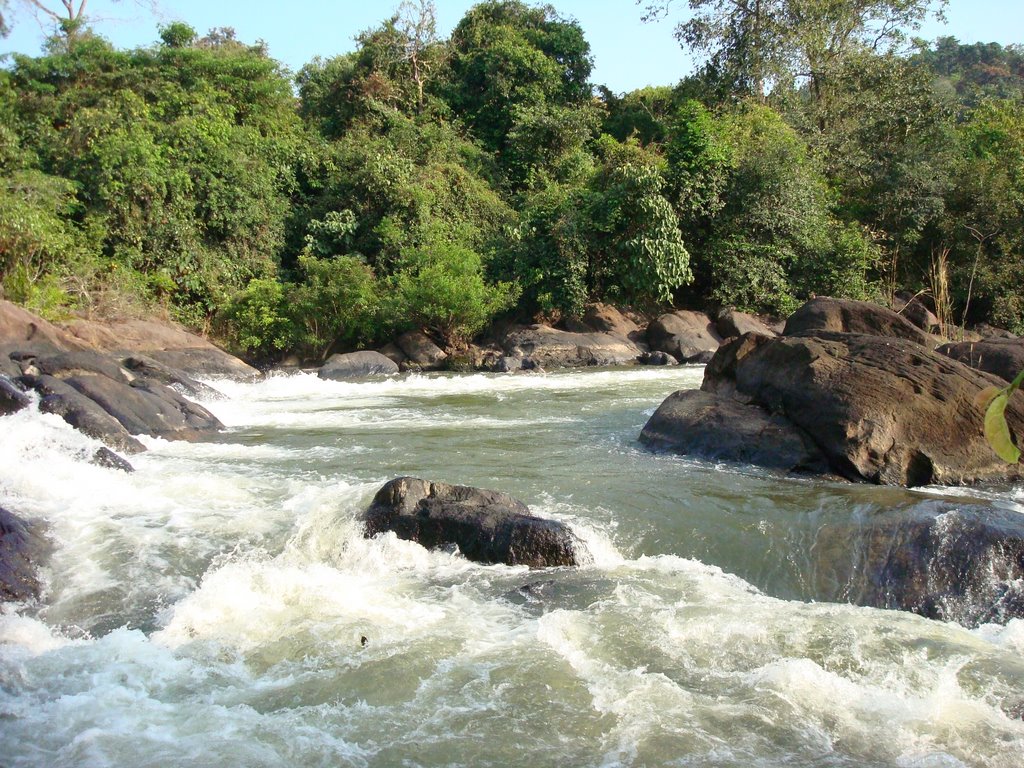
755	45
416	20
66	17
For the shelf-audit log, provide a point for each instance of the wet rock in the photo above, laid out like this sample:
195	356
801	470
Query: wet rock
946	561
730	323
153	370
357	365
83	414
550	348
657	358
823	314
486	526
1002	357
68	364
104	457
721	429
420	351
12	398
22	550
207	361
689	337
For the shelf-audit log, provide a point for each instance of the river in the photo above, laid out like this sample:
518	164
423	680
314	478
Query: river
220	606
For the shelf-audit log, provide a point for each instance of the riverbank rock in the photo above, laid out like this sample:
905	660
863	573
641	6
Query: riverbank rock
22	550
153	370
12	398
546	347
357	365
486	526
946	561
420	352
1003	357
915	310
824	314
604	318
690	337
730	323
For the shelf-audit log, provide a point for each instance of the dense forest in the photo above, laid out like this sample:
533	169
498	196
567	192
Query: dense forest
441	183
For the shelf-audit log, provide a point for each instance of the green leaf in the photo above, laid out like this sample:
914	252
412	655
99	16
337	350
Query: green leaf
996	430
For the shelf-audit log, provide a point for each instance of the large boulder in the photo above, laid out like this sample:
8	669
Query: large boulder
689	337
547	347
1002	357
824	314
486	526
357	365
605	318
722	429
22	550
420	352
915	310
21	328
881	410
147	368
946	561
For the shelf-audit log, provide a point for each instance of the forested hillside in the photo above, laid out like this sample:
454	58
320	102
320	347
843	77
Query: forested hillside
439	183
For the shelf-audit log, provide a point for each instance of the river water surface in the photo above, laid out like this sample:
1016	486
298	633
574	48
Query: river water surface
220	606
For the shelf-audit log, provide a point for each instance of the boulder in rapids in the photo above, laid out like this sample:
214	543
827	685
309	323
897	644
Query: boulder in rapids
146	367
22	550
946	561
357	365
12	398
486	526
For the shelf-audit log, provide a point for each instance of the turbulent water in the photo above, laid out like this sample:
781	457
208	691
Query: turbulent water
220	606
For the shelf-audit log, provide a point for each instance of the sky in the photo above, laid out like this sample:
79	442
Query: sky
628	53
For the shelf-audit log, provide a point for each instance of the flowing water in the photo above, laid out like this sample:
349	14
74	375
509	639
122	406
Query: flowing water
220	606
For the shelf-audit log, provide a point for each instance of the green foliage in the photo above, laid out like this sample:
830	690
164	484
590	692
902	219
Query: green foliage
994	401
441	287
258	320
338	301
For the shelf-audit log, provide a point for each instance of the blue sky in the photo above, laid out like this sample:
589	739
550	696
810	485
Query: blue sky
628	54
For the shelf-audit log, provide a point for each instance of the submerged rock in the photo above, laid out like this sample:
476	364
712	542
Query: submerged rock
104	457
486	526
946	561
22	550
357	365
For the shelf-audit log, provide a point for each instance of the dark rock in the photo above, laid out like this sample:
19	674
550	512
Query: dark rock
986	332
658	358
1002	357
575	325
551	348
12	398
509	364
730	323
393	353
8	367
718	428
68	364
22	550
357	365
946	561
885	410
688	336
83	414
486	526
207	361
420	351
720	373
104	457
154	370
847	316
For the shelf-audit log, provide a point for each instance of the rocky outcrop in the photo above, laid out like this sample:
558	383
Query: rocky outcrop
153	370
689	337
946	561
22	551
1002	357
721	429
357	365
82	413
914	310
420	352
823	314
604	318
541	346
12	398
485	526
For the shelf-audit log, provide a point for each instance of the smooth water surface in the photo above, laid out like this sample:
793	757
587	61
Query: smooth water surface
220	607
